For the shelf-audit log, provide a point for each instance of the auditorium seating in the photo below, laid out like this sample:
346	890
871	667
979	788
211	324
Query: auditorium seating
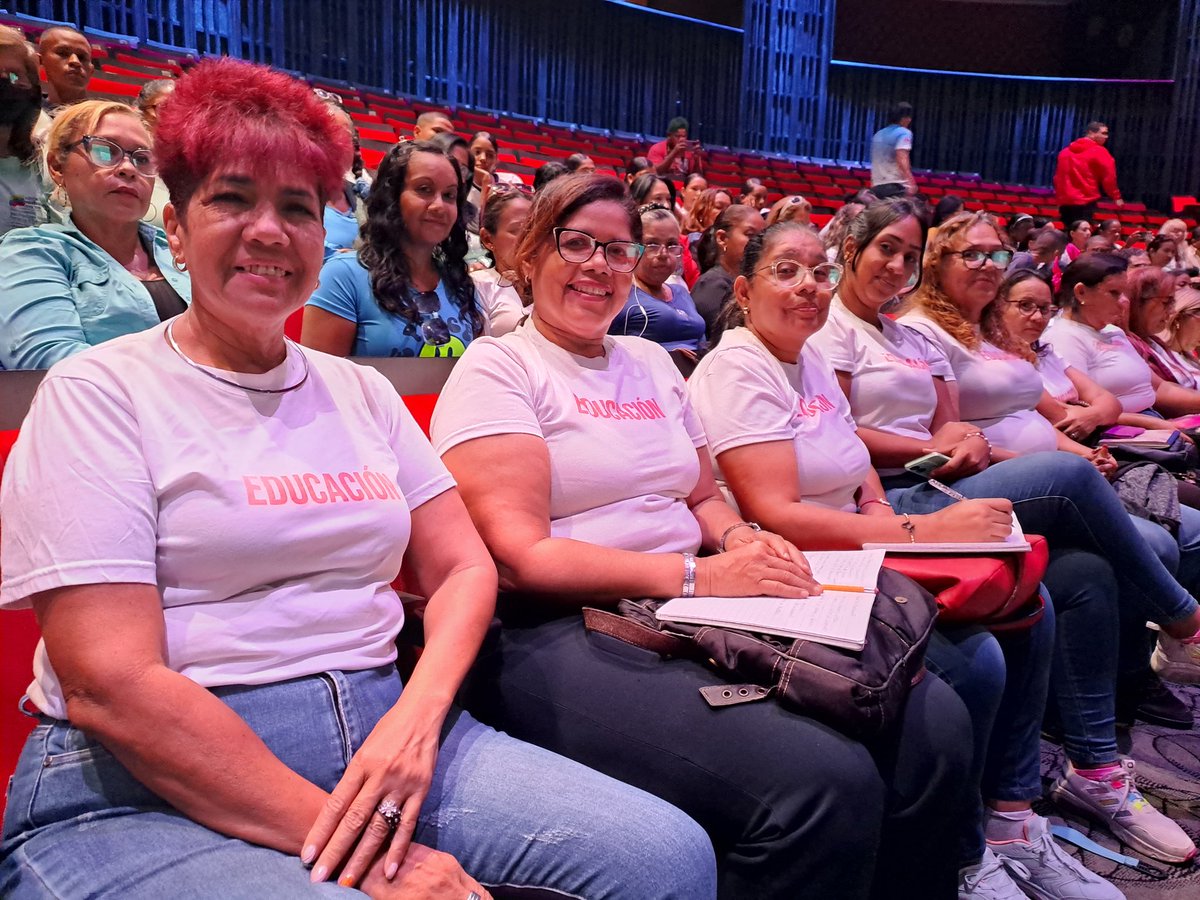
525	143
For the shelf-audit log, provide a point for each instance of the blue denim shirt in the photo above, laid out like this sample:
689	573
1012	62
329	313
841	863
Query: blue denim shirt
60	294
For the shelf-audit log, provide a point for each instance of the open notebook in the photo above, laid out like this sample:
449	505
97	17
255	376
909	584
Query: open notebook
1014	543
838	618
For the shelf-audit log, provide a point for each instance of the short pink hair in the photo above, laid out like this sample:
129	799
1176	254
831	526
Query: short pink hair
229	111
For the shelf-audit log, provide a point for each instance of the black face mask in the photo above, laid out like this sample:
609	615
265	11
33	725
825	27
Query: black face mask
16	101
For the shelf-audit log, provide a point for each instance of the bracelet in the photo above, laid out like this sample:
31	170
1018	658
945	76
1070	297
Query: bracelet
983	437
908	526
689	575
753	526
875	500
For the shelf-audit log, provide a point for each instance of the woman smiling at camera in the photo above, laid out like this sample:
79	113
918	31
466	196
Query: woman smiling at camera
206	520
586	471
102	274
786	447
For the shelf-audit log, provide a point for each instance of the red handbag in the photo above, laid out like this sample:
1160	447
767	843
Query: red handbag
998	591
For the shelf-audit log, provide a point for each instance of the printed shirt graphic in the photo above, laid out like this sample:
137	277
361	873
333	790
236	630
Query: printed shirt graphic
345	291
272	525
744	395
619	429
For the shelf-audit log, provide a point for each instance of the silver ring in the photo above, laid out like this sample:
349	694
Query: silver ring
473	896
390	810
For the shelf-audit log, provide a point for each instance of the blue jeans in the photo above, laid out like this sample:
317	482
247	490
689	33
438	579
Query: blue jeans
1002	680
1180	553
1062	497
78	823
794	808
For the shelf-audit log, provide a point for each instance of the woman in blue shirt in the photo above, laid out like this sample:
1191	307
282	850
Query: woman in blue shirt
407	291
103	273
657	309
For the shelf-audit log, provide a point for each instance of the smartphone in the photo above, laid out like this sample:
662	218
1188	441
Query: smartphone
926	465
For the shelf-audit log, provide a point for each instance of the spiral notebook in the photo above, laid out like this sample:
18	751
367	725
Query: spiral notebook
1014	543
835	617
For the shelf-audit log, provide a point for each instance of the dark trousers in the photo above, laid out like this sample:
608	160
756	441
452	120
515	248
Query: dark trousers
891	189
794	808
1070	214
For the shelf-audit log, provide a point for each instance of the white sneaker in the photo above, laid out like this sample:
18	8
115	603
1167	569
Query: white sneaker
1043	870
989	879
1117	803
1176	661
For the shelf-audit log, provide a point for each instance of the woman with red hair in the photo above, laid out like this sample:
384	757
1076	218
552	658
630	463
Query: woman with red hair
206	519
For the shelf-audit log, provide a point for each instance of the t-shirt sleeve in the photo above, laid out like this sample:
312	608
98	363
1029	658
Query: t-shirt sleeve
77	501
904	139
1070	348
839	346
421	476
927	336
489	392
657	153
740	403
339	288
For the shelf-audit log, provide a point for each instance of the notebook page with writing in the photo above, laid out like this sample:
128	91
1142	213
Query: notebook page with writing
837	618
1014	543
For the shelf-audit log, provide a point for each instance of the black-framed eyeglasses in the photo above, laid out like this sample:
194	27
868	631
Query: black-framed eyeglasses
434	329
974	259
1029	308
789	273
674	250
576	246
104	154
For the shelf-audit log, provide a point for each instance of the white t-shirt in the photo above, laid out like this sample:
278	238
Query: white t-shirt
892	369
620	431
1106	357
1053	369
997	391
21	192
501	304
271	524
744	395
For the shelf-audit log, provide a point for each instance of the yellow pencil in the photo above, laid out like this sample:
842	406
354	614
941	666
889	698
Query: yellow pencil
850	588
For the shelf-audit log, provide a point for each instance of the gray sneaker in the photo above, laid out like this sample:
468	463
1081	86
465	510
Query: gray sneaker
1118	804
989	879
1043	870
1176	661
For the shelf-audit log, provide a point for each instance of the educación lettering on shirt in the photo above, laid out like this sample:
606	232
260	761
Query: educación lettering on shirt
311	487
611	409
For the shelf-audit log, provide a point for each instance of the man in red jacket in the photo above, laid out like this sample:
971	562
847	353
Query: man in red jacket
1085	169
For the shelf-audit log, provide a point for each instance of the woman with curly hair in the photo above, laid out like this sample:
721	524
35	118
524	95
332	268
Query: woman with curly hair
705	209
407	291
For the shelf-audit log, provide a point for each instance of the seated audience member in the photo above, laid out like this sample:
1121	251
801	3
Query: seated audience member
810	479
580	508
693	186
636	167
901	389
1135	257
152	95
1177	231
503	220
104	272
346	209
1078	233
216	673
710	204
834	233
792	208
676	156
1087	335
1181	337
483	149
406	292
432	123
547	172
1152	295
1099	243
754	194
1191	249
650	188
946	207
1111	229
459	150
657	309
1045	247
720	257
1020	228
66	57
21	185
1162	251
581	163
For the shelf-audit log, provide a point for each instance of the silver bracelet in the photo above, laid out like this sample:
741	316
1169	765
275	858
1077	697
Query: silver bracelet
909	528
689	575
874	500
753	526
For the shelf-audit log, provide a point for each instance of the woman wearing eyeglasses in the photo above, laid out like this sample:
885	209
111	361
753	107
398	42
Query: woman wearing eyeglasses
657	309
586	472
407	291
103	273
907	398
